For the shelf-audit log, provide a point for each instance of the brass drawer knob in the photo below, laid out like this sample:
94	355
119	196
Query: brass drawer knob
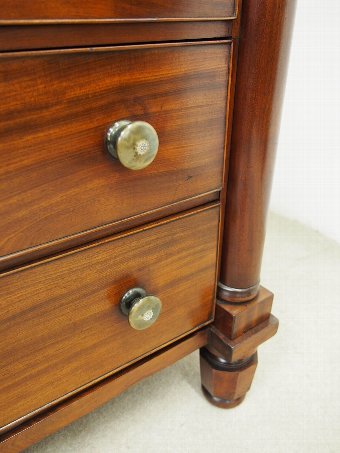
142	309
133	143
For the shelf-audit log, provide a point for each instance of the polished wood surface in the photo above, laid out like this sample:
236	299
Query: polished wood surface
40	36
236	319
68	252
263	49
229	360
226	385
60	323
38	10
78	405
246	344
68	243
56	179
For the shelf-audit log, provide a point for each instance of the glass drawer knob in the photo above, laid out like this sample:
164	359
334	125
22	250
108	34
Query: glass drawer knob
133	143
142	310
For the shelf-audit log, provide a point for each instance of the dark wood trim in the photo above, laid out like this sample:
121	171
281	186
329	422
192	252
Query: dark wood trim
229	111
236	319
263	51
153	20
225	384
35	53
245	345
237	20
21	37
229	360
229	123
81	404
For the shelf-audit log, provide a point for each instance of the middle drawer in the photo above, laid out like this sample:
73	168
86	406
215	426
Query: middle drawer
57	179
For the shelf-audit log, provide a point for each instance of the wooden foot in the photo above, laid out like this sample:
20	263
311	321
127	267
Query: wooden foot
225	384
229	361
219	402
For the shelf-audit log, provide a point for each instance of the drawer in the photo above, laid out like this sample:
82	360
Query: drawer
73	10
56	176
61	327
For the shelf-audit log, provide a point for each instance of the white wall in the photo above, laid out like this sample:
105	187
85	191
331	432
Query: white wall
307	178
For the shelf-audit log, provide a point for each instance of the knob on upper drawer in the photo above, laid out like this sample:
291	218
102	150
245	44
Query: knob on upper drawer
133	143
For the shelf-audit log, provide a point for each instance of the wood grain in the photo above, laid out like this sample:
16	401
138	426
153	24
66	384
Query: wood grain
235	319
41	10
60	323
229	359
226	385
21	37
68	243
56	179
263	51
246	344
78	405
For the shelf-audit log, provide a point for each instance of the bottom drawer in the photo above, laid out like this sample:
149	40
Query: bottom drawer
61	327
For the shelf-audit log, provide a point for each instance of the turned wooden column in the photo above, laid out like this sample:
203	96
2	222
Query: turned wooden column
243	317
262	62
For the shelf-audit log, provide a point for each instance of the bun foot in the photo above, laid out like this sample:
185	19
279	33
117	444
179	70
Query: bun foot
225	384
219	402
229	359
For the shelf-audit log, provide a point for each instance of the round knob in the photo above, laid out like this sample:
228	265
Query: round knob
135	144
142	309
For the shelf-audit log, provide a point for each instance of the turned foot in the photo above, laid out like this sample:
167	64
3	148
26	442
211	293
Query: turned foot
228	362
219	402
225	384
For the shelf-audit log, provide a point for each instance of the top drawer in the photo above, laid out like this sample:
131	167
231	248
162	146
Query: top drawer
57	179
71	10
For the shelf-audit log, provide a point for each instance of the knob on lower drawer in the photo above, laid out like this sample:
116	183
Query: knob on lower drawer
134	144
142	309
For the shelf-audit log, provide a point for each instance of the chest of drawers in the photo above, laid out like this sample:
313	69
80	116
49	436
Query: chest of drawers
136	153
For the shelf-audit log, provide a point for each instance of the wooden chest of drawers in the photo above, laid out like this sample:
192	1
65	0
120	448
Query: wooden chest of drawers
136	150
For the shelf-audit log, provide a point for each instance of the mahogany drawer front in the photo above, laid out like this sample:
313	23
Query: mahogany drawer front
56	177
61	327
116	10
